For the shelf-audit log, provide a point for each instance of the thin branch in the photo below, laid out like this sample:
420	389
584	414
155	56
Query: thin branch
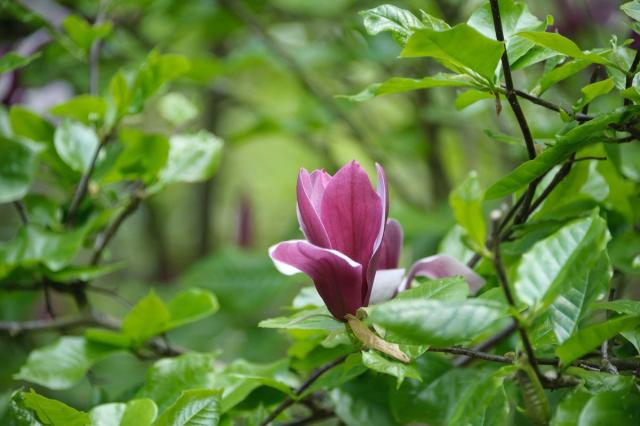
81	190
22	212
551	106
488	344
111	231
94	53
631	74
312	378
14	328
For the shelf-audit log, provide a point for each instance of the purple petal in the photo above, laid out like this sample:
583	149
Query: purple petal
337	278
352	212
389	256
386	284
309	193
442	265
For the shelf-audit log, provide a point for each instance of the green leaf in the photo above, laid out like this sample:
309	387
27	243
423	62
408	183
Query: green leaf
63	363
376	362
30	125
11	60
561	44
156	71
400	22
82	34
593	91
84	273
402	85
191	305
632	9
611	408
192	158
137	412
146	319
76	144
572	304
363	401
435	322
457	48
17	169
177	109
570	407
578	137
167	378
621	306
143	156
193	408
466	203
352	367
86	109
553	265
309	319
450	289
591	337
470	97
479	397
558	74
52	412
515	18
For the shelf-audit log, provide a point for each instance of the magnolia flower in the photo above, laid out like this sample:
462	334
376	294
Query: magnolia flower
352	250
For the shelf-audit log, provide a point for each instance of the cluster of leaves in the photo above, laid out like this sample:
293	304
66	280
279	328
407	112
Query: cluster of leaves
549	260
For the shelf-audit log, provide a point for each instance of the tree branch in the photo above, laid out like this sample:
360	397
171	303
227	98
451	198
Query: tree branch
631	74
22	212
312	378
14	328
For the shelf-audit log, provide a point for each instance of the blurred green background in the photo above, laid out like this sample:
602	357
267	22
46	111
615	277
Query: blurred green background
265	79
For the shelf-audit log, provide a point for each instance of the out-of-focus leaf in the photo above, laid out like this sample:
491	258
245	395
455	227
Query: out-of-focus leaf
457	49
363	401
63	363
571	305
593	91
591	337
30	125
515	18
402	85
86	109
374	361
192	158
622	306
632	9
11	60
569	409
435	322
194	408
17	168
156	71
82	34
191	305
167	378
466	203
177	109
552	265
137	412
83	273
450	289
143	156
147	318
309	319
611	408
52	412
76	144
400	22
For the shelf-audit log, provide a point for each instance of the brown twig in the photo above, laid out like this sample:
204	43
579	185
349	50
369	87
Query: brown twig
22	212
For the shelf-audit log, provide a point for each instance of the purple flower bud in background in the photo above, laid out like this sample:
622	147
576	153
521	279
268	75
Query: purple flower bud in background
352	251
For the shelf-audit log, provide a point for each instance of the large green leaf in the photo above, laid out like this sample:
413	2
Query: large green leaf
457	48
143	156
515	18
86	109
52	412
192	158
466	203
63	363
611	408
82	33
402	85
156	71
191	305
569	409
632	9
622	306
591	337
576	138
17	168
593	91
559	262
137	412
194	408
309	319
450	289
363	401
76	144
400	22
571	305
167	378
435	322
30	125
376	362
563	45
146	319
11	60
558	74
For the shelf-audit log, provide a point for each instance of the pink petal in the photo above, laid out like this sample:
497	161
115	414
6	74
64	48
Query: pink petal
352	214
372	266
337	278
442	265
386	284
389	256
309	193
